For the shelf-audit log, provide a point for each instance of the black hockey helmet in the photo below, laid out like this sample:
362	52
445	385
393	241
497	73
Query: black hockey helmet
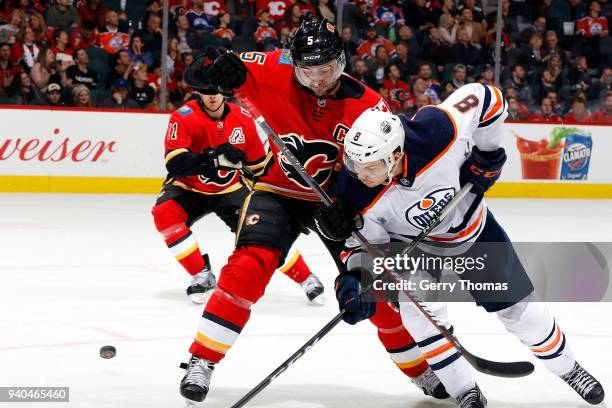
196	74
316	42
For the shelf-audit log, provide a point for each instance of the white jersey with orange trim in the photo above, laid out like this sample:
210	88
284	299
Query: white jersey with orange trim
437	141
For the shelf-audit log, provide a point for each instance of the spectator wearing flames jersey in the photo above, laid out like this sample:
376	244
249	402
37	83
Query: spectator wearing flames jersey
277	8
367	48
399	90
224	31
264	31
207	144
214	8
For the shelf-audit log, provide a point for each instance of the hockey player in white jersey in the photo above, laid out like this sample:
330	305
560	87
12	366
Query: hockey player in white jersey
397	173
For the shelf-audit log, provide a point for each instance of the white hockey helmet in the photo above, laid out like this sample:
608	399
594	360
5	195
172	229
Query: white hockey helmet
374	136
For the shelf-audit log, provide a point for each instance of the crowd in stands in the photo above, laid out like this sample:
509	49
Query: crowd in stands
556	54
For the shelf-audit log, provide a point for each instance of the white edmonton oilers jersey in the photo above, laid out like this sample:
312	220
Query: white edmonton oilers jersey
438	139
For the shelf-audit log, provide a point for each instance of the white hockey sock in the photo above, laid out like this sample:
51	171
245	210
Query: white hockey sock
536	328
452	370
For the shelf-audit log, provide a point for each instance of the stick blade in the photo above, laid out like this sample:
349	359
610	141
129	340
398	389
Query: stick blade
514	369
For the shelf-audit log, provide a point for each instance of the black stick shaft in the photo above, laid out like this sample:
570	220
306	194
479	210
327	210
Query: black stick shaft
287	363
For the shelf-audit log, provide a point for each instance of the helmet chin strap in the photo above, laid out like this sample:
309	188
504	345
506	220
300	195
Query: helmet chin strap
391	168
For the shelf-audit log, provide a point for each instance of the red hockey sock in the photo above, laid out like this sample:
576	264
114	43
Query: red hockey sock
170	220
296	268
397	341
242	282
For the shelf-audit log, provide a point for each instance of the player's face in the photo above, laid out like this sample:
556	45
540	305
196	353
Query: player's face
319	78
371	174
213	102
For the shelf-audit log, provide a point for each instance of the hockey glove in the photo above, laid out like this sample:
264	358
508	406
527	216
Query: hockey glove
224	157
348	293
337	221
482	169
227	71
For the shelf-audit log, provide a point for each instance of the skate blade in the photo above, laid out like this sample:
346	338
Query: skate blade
318	301
200	298
193	404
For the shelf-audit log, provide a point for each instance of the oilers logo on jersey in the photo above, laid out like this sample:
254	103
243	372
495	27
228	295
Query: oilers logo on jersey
421	213
318	157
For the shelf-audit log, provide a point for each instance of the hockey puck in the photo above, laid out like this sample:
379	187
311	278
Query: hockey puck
108	352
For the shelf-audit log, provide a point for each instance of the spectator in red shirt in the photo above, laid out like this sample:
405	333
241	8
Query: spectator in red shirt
214	8
579	112
367	48
546	113
593	24
84	36
92	10
592	28
25	50
604	114
277	8
61	48
224	31
264	31
398	89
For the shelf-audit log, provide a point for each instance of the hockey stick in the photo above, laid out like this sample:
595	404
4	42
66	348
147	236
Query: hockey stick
500	369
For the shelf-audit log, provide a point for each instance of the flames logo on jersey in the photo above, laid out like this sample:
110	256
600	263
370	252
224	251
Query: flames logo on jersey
421	213
221	178
318	157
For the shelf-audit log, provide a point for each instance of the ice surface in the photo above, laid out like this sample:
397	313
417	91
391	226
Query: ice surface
82	271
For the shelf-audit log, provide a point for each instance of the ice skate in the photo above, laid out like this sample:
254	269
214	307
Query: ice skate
584	384
314	290
194	385
202	286
472	398
430	384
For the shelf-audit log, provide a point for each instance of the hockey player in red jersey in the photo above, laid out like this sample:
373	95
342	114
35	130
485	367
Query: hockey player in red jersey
202	137
306	98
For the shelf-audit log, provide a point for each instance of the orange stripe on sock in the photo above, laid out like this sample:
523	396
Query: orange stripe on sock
551	345
438	351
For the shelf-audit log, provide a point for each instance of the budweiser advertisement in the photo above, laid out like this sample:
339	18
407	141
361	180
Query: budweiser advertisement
81	143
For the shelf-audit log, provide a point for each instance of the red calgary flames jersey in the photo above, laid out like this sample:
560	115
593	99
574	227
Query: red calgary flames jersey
313	128
190	129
